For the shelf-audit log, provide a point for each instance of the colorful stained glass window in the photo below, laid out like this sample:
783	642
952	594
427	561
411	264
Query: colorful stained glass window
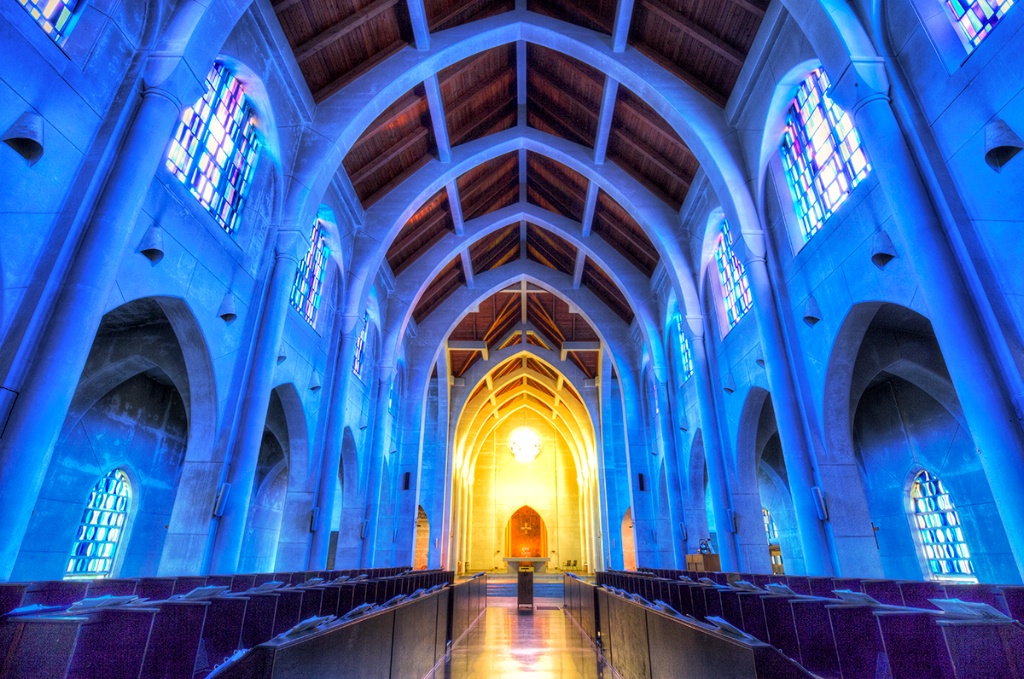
102	527
821	154
213	152
57	17
685	357
770	529
309	278
939	531
357	361
976	18
732	277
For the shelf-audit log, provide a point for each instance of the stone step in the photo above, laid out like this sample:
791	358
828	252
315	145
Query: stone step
540	590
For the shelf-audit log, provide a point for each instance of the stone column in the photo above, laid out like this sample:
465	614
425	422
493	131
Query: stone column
983	393
331	460
52	377
714	454
673	485
796	451
377	456
252	419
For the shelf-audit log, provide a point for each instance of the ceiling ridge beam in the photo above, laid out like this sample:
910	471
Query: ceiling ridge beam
620	30
467	267
521	72
696	31
577	272
590	207
436	107
604	119
420	27
342	28
455	207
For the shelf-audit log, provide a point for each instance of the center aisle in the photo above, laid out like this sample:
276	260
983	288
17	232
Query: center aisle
544	644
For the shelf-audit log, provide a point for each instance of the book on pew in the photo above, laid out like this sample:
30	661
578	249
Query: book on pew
729	629
361	576
359	610
779	588
202	593
32	609
307	625
969	610
746	586
312	582
665	608
96	603
267	586
847	596
393	601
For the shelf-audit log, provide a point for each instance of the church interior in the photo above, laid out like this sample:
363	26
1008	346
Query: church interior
330	327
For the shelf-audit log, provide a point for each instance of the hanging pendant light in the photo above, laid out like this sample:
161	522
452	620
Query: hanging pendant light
524	444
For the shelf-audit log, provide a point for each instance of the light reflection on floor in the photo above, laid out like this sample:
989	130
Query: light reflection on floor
544	644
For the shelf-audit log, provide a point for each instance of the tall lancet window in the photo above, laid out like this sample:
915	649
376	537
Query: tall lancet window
56	17
357	360
309	278
975	19
939	533
821	154
685	357
102	528
732	277
213	151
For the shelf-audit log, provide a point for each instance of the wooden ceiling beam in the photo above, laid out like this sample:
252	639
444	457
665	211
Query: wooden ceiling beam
654	156
381	161
692	80
345	78
552	119
285	5
634	242
407	103
496	115
468	98
695	31
342	28
751	7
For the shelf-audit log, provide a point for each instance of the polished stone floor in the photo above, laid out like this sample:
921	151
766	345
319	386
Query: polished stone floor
544	644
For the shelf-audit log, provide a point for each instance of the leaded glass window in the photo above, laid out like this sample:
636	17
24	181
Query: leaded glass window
213	152
357	361
975	19
770	529
821	154
102	527
309	278
939	531
56	17
732	277
685	357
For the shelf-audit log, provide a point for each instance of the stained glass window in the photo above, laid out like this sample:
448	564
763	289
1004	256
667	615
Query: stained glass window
939	531
102	527
309	278
976	18
213	152
686	358
732	277
57	17
769	526
821	154
357	361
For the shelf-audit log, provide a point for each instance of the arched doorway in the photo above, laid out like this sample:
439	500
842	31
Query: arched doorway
420	553
628	542
526	534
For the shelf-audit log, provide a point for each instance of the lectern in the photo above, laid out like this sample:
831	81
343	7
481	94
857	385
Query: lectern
525	588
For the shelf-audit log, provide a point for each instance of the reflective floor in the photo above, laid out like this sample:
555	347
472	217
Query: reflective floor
540	645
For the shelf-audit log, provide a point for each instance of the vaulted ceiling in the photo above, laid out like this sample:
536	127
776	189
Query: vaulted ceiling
701	42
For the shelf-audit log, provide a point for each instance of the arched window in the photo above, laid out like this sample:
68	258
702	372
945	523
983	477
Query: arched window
102	528
685	357
939	532
821	154
309	278
732	277
213	152
357	361
975	19
57	17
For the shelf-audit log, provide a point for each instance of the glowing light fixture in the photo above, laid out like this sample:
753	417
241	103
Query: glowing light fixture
524	444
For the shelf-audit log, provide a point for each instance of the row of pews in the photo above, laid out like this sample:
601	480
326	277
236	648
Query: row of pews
718	624
193	627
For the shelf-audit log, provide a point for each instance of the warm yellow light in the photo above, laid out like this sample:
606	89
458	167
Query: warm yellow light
525	444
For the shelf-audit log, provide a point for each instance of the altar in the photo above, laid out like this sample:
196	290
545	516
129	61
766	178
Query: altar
540	565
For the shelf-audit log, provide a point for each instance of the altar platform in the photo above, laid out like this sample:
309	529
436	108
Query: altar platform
540	564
